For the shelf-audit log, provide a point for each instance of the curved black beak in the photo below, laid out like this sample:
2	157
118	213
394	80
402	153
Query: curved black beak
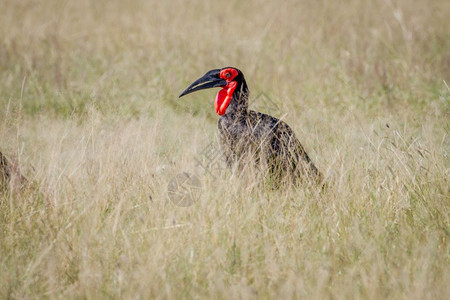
209	80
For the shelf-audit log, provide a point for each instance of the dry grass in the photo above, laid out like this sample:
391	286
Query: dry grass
89	108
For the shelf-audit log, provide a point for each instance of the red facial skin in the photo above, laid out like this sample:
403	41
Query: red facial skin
225	95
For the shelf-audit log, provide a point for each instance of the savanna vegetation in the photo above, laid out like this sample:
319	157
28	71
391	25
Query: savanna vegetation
89	113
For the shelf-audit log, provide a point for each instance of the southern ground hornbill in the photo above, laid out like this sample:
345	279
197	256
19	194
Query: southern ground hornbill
249	136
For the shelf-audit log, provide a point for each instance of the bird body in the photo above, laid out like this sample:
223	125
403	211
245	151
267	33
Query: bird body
10	174
249	137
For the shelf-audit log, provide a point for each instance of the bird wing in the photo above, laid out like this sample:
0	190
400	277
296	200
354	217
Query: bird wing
287	151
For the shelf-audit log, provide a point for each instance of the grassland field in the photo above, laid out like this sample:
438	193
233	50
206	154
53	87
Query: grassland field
89	111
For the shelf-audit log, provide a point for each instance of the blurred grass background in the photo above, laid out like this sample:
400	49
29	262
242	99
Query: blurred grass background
89	109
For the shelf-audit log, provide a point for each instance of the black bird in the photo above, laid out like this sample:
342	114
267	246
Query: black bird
249	136
4	170
9	172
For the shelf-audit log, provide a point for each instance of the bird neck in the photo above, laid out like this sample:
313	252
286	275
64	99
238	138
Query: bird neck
239	103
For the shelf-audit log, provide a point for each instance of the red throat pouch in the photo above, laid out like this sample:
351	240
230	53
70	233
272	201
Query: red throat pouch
224	97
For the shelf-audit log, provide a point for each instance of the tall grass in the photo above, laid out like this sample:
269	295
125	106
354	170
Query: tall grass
89	109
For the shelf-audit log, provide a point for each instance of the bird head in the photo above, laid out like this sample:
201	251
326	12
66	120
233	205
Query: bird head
229	79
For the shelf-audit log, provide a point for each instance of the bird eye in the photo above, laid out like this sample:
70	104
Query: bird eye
227	75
